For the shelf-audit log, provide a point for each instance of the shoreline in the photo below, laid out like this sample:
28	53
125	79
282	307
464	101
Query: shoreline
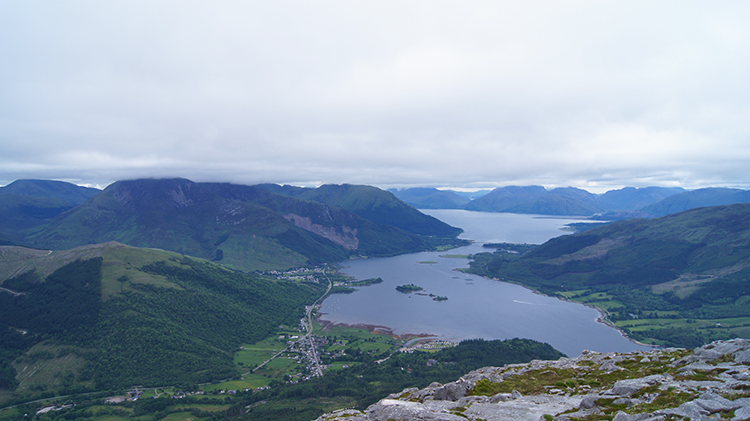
377	330
602	314
601	318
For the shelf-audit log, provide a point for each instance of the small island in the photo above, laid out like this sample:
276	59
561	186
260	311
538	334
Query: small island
440	298
408	288
366	282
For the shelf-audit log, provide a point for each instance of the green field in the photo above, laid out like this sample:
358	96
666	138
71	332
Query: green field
252	355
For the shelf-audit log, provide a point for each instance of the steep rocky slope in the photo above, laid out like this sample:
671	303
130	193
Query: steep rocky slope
708	383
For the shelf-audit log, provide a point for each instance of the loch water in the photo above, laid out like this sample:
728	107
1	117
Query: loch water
476	307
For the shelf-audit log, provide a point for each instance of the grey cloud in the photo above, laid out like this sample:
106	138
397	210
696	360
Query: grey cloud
474	94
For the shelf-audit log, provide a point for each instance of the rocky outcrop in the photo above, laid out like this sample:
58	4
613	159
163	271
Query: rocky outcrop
708	383
341	235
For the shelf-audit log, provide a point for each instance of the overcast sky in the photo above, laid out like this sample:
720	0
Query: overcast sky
593	94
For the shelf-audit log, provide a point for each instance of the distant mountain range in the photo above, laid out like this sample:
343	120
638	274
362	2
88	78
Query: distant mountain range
244	227
626	203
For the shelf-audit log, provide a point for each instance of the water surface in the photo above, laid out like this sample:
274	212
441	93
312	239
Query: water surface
476	307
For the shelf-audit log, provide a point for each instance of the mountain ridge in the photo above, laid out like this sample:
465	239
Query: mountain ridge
246	227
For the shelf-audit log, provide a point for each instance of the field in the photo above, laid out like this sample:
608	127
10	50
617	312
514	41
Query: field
285	367
647	329
602	300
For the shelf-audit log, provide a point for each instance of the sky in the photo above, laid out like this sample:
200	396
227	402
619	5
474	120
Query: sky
464	94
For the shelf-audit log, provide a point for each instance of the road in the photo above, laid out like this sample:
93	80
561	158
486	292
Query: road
310	324
308	335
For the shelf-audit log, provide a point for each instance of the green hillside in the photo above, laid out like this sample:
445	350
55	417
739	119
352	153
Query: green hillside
112	316
679	279
243	227
26	204
373	204
20	214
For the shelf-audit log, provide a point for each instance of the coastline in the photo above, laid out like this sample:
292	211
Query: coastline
376	329
602	314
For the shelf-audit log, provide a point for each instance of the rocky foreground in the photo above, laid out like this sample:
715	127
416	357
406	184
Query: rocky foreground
708	383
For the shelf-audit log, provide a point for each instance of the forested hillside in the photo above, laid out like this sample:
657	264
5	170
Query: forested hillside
132	316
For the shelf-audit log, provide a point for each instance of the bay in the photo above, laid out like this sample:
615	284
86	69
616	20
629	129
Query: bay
476	307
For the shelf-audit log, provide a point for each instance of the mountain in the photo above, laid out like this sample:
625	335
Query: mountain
27	204
570	200
706	383
471	195
244	227
632	198
373	204
712	196
502	198
691	265
52	189
431	198
109	316
626	203
537	200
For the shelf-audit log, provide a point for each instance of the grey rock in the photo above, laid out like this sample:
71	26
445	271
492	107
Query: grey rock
622	416
697	365
689	409
449	402
469	400
527	408
623	401
405	392
589	401
712	402
742	357
500	397
403	410
610	366
731	346
453	391
742	414
348	414
630	386
704	354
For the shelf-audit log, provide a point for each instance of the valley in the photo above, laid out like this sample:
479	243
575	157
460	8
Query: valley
212	300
